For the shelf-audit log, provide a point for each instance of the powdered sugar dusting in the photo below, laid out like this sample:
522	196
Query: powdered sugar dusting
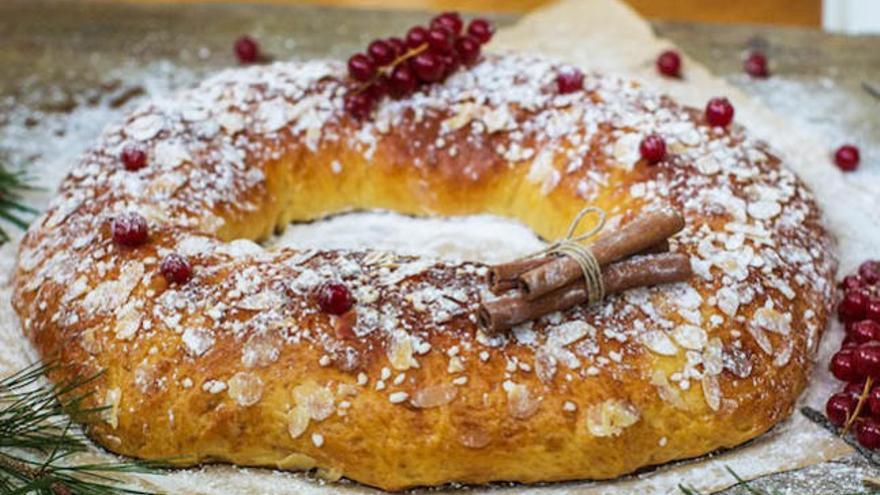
482	238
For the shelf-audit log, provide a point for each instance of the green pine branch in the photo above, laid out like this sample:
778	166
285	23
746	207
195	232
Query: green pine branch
12	209
38	439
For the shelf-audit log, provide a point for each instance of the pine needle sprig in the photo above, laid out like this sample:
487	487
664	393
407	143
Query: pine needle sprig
12	209
38	438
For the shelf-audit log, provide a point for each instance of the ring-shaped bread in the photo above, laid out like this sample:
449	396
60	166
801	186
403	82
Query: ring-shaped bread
240	365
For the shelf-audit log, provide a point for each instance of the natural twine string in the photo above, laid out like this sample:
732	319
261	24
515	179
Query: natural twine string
570	246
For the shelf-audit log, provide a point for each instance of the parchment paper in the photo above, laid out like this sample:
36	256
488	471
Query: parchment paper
606	36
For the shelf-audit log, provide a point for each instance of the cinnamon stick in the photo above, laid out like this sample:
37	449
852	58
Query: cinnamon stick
505	312
646	230
505	276
502	286
660	247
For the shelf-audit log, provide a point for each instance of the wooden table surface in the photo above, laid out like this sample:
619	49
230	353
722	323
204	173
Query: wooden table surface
71	45
784	12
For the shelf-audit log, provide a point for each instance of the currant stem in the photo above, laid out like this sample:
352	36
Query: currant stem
386	70
852	419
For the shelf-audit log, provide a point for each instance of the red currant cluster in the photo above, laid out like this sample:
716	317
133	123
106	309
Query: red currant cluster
858	361
396	66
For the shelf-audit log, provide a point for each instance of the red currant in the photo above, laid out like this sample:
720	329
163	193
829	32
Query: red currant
853	305
873	401
855	389
450	63
869	271
133	158
361	68
381	52
481	29
439	40
838	408
653	148
866	360
129	229
247	50
842	366
570	81
756	65
334	298
847	158
872	309
669	63
719	112
416	37
398	44
358	105
868	433
175	268
865	331
402	81
468	49
428	67
450	21
378	88
851	282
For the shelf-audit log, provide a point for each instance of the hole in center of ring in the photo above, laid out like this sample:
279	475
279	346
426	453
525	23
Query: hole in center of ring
481	238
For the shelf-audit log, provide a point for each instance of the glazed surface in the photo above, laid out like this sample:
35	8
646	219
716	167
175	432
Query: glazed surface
240	365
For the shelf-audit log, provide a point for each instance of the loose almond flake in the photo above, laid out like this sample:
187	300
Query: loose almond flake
400	351
666	391
261	350
128	321
772	320
245	388
690	337
297	421
713	361
475	438
316	400
711	392
433	396
520	402
660	343
611	417
111	404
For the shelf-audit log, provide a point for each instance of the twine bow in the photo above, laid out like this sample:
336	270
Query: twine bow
570	246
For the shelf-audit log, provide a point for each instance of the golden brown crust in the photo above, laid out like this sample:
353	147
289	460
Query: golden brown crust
239	365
